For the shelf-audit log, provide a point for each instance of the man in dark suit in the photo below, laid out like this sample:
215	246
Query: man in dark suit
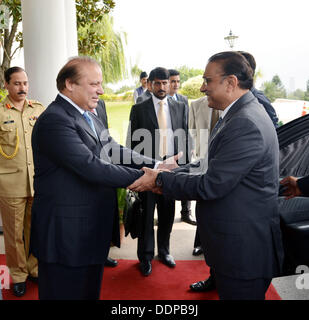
209	284
100	111
186	215
78	167
146	94
237	193
157	129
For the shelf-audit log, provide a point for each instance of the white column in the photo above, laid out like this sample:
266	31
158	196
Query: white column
49	34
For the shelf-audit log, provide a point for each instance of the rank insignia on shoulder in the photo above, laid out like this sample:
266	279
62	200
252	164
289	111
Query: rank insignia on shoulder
8	106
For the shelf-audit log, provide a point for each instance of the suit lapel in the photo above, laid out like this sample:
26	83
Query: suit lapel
74	113
240	103
152	114
173	113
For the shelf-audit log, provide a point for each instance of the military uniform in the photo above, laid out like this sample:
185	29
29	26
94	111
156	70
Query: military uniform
16	185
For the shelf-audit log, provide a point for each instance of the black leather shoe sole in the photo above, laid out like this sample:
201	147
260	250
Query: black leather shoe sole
203	286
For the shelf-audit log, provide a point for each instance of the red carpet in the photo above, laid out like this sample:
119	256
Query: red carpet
125	282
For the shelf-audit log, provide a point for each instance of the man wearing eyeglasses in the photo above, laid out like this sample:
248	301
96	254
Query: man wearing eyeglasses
237	197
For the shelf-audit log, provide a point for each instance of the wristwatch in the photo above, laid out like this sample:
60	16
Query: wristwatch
159	182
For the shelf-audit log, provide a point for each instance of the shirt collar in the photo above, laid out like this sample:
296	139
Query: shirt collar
82	111
156	100
226	110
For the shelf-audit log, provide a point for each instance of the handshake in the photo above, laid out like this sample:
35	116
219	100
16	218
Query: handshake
147	182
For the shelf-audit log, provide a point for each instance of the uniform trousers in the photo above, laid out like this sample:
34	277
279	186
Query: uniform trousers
16	219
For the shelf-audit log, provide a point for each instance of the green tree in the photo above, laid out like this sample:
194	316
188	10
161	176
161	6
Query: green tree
9	36
187	73
86	10
274	89
298	94
105	46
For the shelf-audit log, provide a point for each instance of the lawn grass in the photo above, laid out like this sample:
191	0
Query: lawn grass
118	119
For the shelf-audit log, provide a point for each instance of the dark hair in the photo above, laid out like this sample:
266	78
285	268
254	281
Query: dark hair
10	71
233	63
249	57
159	73
143	75
71	70
173	72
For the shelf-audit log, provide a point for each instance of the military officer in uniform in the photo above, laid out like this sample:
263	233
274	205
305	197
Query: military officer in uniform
17	118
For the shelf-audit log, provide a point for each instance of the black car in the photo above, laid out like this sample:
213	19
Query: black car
294	160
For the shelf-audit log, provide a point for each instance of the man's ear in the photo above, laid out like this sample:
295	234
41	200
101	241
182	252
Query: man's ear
232	81
69	84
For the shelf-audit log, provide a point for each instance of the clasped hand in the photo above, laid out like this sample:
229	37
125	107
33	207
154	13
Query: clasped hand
147	182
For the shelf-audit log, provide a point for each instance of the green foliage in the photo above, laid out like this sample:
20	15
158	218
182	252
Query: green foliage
3	94
297	95
92	11
187	73
126	96
125	89
121	197
191	88
274	89
101	42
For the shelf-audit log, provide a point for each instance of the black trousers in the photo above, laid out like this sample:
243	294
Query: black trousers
166	214
59	282
240	289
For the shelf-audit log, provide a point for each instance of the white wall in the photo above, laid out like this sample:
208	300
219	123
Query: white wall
50	38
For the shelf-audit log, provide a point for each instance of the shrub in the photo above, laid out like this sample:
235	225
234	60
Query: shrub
191	88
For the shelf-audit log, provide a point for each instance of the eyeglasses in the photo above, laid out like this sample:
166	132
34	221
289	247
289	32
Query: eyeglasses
207	80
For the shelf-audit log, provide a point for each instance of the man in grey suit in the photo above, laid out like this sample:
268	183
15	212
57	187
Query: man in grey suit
146	94
237	209
174	78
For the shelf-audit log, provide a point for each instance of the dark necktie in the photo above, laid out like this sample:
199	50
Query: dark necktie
215	129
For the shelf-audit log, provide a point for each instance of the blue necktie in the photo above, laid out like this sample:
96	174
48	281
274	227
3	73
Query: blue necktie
87	116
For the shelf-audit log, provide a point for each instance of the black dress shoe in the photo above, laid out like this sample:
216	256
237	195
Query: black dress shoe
19	289
145	267
197	251
110	262
186	217
168	260
204	285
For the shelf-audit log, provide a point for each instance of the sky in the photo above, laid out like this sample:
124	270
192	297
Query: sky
172	33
